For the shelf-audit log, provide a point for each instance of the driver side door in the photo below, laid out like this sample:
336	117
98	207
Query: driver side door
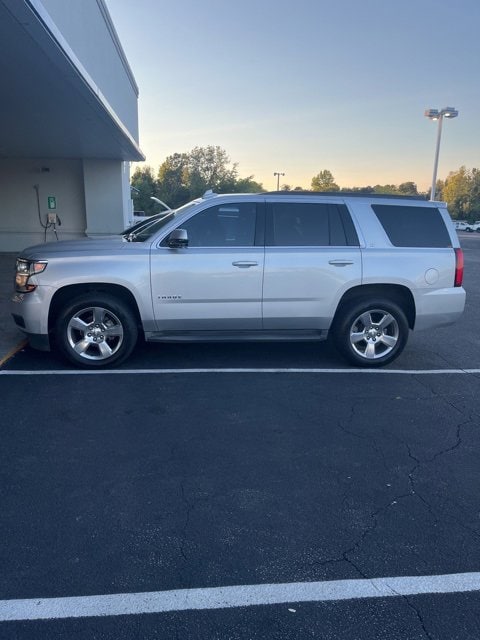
215	283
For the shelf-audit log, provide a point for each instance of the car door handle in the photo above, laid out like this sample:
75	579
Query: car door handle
340	263
244	264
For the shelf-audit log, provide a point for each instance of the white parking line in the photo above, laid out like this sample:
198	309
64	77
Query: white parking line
238	596
77	372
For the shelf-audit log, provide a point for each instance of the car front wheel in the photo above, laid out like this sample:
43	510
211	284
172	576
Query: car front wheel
96	331
371	334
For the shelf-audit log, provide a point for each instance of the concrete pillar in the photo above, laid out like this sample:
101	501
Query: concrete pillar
107	196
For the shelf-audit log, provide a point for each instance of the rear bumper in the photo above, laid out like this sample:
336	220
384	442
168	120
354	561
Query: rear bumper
439	307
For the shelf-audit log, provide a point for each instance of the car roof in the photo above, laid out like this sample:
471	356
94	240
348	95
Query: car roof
345	194
334	195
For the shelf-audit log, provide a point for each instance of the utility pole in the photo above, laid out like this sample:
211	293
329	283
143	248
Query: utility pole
276	173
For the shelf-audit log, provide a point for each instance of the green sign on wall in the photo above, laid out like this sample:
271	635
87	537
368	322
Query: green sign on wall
52	202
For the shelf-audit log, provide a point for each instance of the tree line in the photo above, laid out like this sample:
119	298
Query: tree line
461	191
185	176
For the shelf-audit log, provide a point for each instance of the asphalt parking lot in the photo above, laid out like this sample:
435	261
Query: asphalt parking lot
245	491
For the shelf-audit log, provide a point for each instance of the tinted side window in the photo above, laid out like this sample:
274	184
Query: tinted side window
305	224
408	226
225	225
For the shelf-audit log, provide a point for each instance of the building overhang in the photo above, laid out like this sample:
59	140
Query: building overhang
50	107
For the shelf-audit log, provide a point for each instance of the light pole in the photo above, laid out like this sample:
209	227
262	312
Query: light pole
276	173
435	114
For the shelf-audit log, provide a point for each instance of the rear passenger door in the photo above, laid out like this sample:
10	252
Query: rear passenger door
312	257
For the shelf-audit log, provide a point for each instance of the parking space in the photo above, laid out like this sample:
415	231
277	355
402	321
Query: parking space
179	475
198	481
191	484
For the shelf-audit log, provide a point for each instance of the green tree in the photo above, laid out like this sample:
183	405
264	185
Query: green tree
247	185
184	176
172	185
474	204
461	191
439	187
408	189
209	168
144	185
324	181
457	193
358	189
390	189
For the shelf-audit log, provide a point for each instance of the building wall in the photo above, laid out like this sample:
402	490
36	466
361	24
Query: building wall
20	220
89	31
92	194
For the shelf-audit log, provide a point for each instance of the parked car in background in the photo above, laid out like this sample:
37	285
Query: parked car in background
268	266
470	227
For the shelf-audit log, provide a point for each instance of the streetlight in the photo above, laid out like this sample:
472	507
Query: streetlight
435	114
276	173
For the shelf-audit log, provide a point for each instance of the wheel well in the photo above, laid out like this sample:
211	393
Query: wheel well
64	295
394	292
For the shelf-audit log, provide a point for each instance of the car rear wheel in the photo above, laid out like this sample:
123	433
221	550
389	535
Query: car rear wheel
96	331
371	333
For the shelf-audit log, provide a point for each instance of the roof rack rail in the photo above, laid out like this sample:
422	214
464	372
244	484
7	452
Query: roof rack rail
343	194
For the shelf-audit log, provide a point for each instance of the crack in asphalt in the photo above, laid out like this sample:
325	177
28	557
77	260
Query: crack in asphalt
360	436
418	613
189	509
458	442
348	555
415	609
345	426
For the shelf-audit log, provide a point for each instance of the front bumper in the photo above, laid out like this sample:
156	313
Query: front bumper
38	341
30	314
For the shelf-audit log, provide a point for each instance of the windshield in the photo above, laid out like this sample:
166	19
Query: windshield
147	228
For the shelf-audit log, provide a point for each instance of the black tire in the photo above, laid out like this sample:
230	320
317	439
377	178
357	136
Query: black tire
96	330
371	333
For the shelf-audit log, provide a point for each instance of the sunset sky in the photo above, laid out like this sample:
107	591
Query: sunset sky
303	86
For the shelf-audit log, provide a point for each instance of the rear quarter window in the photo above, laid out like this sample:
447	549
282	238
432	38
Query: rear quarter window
408	226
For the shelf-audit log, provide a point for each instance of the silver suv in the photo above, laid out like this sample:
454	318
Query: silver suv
273	266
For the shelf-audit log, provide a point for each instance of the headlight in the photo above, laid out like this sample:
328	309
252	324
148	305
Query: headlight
24	270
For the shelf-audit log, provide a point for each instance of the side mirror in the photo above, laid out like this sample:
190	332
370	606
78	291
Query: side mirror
178	239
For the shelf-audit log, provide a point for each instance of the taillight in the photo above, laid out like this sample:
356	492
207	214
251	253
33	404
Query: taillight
458	268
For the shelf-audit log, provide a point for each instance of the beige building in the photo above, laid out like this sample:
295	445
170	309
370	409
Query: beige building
68	122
